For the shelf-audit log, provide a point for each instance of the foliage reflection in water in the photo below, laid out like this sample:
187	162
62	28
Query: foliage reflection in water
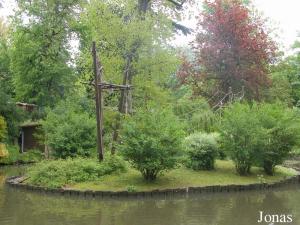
25	208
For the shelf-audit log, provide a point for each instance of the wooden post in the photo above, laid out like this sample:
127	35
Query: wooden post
99	105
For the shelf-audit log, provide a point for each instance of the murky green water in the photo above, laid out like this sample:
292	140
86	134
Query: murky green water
23	208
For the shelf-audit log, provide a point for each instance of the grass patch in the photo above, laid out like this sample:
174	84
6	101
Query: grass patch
224	174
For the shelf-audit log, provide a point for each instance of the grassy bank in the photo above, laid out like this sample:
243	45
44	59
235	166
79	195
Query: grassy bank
223	174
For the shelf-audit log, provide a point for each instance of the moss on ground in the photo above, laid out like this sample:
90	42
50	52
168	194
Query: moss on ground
224	174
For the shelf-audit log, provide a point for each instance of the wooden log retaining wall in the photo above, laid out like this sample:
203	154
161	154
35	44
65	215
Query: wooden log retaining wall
16	182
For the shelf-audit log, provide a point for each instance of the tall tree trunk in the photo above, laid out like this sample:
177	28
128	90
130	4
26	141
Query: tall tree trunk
143	5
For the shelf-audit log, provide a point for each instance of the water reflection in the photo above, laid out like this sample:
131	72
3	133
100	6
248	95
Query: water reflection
24	208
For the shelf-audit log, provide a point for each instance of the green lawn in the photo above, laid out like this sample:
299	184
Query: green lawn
182	177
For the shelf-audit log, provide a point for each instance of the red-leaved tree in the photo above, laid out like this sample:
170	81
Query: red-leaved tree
232	47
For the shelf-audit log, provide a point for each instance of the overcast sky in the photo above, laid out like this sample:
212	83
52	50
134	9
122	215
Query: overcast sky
284	14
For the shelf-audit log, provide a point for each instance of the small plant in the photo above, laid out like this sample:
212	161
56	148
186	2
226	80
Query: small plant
202	150
261	178
151	141
131	188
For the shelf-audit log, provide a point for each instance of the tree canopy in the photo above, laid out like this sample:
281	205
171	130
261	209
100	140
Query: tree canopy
40	57
233	48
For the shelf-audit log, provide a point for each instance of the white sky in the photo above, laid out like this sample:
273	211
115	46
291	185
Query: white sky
284	14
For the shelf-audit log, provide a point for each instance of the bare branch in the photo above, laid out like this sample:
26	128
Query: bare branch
177	4
178	27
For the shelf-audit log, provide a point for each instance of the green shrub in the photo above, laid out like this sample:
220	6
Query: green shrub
15	156
131	188
282	128
242	135
70	130
262	134
2	129
58	173
151	141
30	156
202	150
295	151
196	113
12	114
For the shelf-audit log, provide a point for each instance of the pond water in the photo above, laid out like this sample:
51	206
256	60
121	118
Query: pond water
19	207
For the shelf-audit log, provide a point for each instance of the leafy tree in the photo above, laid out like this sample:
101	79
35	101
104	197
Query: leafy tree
133	41
70	130
280	90
8	108
130	44
202	150
40	58
288	73
6	85
232	49
151	141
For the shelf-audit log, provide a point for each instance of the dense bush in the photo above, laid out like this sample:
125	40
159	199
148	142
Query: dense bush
15	157
12	115
2	129
282	128
70	130
30	156
262	134
202	150
58	173
242	135
3	151
151	141
196	113
280	90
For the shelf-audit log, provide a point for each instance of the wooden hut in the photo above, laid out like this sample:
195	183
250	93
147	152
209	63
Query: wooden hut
26	107
28	137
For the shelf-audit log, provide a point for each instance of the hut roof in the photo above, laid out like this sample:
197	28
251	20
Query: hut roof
31	124
25	104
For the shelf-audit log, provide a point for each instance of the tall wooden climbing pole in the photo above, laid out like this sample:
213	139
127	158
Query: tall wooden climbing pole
100	86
